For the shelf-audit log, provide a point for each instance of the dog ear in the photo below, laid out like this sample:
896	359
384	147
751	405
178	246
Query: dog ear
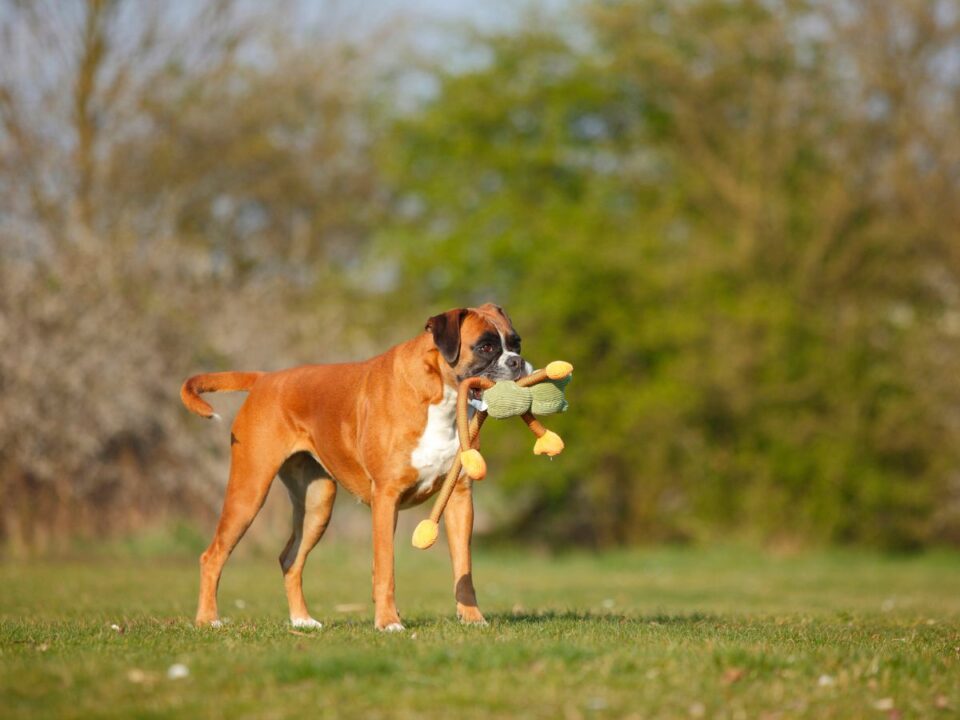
445	328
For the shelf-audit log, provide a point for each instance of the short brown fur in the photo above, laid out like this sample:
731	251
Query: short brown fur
353	424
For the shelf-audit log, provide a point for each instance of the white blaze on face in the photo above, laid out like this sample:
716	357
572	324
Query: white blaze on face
506	355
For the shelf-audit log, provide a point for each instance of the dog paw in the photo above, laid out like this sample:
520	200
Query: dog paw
471	616
478	621
307	623
215	624
392	628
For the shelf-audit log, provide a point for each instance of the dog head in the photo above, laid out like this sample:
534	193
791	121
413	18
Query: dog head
478	342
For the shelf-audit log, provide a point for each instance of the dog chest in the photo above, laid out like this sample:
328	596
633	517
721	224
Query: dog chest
438	445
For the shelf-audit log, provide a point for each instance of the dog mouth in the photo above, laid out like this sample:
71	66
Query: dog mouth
502	374
497	375
494	372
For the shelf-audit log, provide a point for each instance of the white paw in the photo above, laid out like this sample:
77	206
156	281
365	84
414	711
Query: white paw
216	623
307	623
473	623
394	627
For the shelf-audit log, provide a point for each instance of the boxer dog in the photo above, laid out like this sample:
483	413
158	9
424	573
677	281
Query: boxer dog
385	429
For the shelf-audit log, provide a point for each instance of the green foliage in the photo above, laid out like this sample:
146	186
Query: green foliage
737	218
687	201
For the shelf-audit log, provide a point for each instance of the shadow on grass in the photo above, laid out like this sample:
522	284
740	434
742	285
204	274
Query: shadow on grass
600	618
529	619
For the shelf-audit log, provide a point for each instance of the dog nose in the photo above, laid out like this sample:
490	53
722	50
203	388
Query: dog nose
514	362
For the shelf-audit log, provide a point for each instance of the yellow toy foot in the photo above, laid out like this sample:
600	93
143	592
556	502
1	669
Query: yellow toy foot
549	444
426	534
558	369
474	464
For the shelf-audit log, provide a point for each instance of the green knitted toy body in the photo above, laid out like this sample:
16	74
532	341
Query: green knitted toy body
506	398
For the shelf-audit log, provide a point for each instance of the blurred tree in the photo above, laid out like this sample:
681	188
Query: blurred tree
172	178
739	220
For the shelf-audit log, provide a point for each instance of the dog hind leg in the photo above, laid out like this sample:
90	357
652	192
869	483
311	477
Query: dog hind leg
312	494
251	474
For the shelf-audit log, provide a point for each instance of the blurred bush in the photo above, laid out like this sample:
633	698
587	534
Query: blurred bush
174	180
738	219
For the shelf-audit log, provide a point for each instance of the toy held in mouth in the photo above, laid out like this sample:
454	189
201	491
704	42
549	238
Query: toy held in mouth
540	393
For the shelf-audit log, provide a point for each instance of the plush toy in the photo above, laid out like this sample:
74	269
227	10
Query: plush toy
540	393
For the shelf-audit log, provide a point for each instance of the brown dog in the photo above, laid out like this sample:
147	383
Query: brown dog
383	428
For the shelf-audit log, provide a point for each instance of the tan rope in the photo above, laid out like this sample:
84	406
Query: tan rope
535	425
468	431
448	482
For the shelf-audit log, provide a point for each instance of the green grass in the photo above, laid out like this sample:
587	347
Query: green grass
663	633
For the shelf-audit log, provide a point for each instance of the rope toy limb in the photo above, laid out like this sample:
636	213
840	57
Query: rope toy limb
428	530
470	457
541	391
548	442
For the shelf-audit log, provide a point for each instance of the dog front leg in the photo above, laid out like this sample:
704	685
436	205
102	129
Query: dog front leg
459	522
384	508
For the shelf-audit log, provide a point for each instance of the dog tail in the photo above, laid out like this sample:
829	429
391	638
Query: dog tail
214	382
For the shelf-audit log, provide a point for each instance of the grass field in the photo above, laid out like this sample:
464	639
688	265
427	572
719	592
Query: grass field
665	633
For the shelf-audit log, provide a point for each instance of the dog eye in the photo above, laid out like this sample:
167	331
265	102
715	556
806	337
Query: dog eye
486	348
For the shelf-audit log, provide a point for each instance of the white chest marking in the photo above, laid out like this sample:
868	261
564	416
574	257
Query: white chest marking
438	445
